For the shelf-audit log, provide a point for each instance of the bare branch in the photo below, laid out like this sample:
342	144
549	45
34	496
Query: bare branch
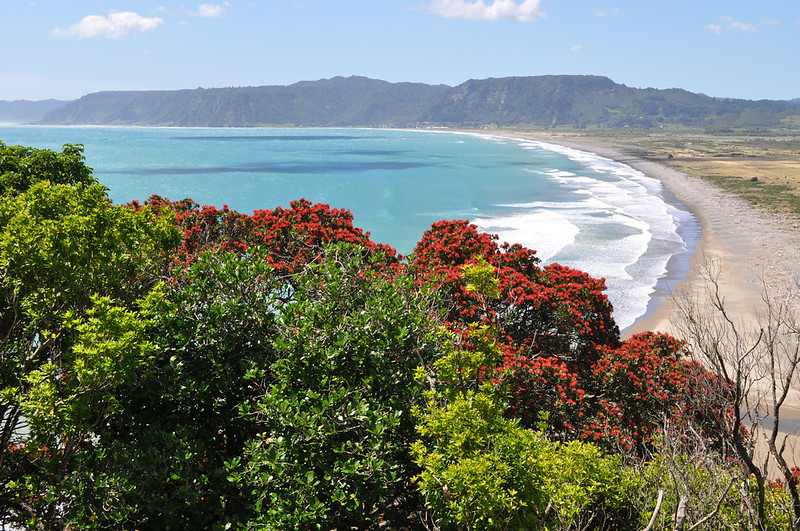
655	511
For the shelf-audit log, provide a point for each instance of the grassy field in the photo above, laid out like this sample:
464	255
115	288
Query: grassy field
763	166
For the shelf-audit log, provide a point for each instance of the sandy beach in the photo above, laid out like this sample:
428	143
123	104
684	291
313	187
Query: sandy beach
752	248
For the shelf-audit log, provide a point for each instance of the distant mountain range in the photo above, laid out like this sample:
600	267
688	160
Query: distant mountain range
539	101
23	111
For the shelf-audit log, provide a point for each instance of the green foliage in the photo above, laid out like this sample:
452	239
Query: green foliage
67	400
161	455
22	167
588	487
71	270
59	245
66	404
334	420
481	470
461	370
482	278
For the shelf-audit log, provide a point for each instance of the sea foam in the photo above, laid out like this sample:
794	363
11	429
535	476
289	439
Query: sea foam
620	227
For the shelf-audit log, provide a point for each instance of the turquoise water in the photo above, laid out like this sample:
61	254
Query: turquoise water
574	208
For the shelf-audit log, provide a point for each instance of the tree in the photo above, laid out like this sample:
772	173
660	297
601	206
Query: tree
71	268
334	417
551	310
159	459
757	364
482	470
22	167
292	237
561	350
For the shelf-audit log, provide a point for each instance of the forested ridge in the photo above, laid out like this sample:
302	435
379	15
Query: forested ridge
168	365
530	101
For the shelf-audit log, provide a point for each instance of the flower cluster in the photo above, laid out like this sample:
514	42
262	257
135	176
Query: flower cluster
293	237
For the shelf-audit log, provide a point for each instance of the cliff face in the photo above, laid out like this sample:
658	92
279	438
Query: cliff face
541	101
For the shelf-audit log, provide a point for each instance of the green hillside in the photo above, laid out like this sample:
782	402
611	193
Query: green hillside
541	101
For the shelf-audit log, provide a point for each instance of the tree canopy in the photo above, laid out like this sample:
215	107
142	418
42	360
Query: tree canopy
167	365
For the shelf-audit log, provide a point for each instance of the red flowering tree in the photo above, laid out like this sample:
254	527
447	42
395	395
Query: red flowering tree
648	378
292	237
562	353
554	309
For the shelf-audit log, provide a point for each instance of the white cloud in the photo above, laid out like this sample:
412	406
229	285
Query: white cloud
576	48
771	22
211	11
607	13
743	26
527	11
734	24
113	26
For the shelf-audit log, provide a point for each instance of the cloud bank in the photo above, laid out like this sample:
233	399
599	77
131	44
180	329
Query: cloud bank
114	26
527	11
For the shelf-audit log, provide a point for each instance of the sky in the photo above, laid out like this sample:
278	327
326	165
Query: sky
64	50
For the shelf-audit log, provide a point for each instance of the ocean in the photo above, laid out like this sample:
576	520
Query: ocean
575	208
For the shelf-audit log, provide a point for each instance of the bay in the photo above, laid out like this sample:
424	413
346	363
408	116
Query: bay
573	207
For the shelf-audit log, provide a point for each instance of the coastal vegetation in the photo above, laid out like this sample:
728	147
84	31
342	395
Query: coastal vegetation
171	365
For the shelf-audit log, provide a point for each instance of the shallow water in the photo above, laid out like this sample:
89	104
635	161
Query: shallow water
575	208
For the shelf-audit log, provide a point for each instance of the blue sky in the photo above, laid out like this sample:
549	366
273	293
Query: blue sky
733	48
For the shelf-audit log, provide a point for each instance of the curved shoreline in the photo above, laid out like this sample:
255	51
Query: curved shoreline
753	250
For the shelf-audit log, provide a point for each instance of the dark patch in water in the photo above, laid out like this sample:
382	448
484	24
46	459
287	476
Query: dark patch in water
269	138
267	167
376	152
